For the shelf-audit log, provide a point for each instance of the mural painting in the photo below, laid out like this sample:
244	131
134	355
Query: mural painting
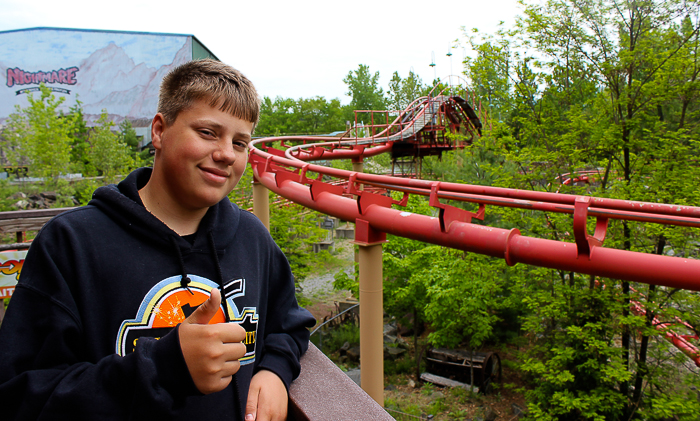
105	70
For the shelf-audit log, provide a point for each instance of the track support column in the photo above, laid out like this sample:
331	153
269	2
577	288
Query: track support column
261	203
371	309
358	166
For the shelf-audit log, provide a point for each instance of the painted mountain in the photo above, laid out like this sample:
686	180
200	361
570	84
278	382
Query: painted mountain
118	72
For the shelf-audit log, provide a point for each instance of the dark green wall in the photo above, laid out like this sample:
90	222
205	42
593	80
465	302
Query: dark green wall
199	51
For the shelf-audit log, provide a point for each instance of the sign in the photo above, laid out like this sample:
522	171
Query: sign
17	171
10	267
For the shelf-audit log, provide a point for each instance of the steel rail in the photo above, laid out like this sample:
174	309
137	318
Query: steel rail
507	244
286	175
524	199
650	217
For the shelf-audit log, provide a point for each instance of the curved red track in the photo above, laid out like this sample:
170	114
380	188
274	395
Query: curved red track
287	173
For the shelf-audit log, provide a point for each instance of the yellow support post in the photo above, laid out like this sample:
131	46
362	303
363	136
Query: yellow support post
371	310
261	203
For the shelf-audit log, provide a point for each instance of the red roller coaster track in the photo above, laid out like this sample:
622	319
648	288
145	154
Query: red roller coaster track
285	173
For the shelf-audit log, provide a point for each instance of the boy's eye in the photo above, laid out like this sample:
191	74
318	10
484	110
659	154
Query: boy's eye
240	145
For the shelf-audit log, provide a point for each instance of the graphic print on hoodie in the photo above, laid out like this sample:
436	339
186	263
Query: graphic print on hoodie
168	304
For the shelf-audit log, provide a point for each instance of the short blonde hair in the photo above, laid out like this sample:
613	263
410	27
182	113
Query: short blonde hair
218	83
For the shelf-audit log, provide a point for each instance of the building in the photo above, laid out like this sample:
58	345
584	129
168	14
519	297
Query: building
116	71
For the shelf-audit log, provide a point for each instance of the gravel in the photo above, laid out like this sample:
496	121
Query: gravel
322	284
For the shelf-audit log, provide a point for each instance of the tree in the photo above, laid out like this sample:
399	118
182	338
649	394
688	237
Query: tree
404	91
295	230
79	134
109	155
303	116
599	86
40	137
364	89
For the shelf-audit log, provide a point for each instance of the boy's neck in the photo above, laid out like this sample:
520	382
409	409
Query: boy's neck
179	219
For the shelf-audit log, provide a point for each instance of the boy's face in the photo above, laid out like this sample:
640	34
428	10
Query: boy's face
201	155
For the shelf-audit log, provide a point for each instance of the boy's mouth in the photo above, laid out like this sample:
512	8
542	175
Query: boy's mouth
215	173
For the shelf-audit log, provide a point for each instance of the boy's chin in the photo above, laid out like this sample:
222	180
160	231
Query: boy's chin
208	201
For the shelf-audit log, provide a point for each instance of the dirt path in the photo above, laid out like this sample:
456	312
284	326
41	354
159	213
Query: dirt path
318	287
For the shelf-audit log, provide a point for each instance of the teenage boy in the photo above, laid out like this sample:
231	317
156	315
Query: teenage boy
160	299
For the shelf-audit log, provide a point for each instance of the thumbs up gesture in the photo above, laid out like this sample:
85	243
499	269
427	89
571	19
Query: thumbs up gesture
211	351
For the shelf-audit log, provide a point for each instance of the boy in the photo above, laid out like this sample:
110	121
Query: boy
123	305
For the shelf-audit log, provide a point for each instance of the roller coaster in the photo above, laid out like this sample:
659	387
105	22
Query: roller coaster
285	173
422	129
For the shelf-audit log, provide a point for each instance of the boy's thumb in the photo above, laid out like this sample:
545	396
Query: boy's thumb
207	310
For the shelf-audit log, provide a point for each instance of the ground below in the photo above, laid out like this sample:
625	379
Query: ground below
402	392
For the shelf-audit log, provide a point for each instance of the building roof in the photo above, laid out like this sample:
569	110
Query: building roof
43	28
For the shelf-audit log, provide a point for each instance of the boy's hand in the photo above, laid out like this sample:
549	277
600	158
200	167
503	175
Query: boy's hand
211	351
267	398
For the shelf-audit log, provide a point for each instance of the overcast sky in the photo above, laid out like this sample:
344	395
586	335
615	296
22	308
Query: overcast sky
292	48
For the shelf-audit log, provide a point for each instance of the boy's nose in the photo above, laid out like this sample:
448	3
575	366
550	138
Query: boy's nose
225	154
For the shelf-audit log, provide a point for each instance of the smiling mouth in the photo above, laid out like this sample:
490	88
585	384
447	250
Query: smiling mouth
216	173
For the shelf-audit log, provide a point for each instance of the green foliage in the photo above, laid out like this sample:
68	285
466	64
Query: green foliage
344	282
127	136
303	116
460	295
609	88
295	229
82	191
330	340
108	154
38	136
575	361
404	91
79	133
363	87
403	365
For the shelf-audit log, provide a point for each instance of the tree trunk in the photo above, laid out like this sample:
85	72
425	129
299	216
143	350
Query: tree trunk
642	368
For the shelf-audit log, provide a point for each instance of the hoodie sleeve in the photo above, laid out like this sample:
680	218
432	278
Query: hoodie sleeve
48	370
287	325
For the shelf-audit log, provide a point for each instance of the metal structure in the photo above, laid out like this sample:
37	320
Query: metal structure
288	174
286	170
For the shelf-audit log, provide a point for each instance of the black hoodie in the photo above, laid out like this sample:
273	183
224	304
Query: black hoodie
91	329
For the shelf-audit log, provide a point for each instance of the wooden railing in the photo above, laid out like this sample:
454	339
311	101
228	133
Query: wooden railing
323	392
21	221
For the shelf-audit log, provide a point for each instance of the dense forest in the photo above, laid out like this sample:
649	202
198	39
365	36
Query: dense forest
603	88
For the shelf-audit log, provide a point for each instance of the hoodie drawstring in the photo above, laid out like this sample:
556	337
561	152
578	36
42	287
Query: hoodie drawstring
184	280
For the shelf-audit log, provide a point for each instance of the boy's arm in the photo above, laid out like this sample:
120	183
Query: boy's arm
286	324
267	398
286	339
46	374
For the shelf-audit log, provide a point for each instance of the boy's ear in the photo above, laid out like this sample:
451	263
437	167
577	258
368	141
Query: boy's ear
157	128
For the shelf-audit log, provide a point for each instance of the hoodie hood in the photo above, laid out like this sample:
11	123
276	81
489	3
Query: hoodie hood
123	204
